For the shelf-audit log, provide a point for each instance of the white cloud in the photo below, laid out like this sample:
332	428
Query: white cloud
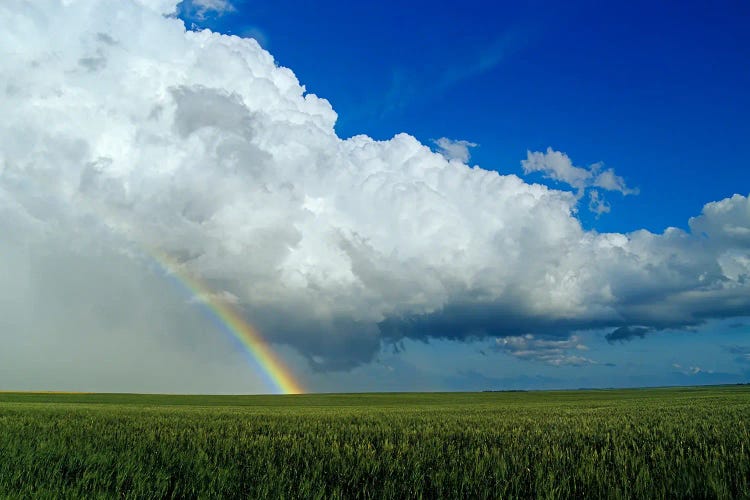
556	352
612	182
455	150
559	167
198	145
691	370
160	6
597	204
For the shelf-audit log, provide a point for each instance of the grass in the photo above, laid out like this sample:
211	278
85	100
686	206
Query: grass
686	442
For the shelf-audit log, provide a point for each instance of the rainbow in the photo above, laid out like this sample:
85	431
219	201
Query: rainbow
229	320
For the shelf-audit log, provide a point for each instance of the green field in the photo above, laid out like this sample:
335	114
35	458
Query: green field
686	442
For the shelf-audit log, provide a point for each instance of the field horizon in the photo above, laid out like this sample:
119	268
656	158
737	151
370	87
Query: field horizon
354	393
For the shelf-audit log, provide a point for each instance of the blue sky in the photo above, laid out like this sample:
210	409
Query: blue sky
397	195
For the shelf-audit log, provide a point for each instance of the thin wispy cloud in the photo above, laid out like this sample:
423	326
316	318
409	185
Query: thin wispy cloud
409	86
485	59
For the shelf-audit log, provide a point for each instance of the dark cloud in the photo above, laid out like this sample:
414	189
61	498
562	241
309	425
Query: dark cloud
465	321
626	333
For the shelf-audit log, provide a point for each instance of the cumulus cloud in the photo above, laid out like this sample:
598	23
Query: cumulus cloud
559	167
115	141
166	7
455	150
551	351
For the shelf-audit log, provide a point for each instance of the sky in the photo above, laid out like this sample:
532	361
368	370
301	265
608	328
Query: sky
398	197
